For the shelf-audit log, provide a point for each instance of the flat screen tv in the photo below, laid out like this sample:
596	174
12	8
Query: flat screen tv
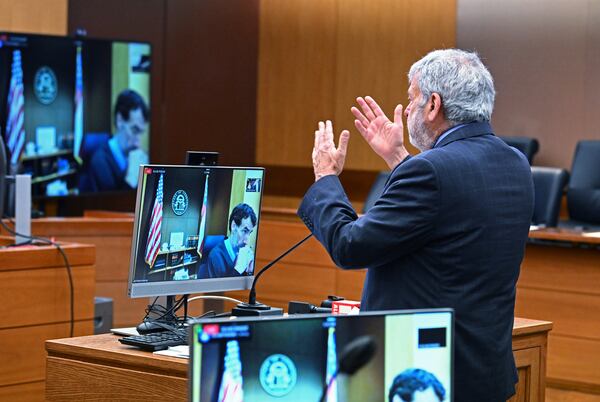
74	112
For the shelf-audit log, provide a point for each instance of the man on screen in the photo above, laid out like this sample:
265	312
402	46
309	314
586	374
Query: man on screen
109	164
451	225
416	385
233	256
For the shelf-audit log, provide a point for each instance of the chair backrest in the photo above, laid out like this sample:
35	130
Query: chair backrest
583	195
549	184
376	190
527	145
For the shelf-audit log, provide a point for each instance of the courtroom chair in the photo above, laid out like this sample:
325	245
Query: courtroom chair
210	242
549	184
376	190
527	145
583	192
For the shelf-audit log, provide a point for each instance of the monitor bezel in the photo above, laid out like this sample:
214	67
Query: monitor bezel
202	321
190	286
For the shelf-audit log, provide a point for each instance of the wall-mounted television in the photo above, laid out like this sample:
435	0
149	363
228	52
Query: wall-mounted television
75	112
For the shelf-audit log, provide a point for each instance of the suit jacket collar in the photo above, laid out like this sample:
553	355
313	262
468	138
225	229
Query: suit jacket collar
474	129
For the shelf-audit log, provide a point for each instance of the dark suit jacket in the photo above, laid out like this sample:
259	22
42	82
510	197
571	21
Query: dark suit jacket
220	264
448	231
104	172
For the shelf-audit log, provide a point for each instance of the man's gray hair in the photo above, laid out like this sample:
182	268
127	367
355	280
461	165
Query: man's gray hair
462	81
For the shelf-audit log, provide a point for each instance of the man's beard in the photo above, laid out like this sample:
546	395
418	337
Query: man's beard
418	134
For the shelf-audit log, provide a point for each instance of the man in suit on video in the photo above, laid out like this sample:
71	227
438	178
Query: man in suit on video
450	228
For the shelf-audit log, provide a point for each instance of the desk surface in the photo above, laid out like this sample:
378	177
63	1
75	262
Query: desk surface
105	347
564	235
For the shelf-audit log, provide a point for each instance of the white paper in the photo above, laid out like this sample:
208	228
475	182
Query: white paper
181	351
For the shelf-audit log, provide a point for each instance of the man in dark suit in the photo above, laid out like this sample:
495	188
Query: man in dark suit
450	227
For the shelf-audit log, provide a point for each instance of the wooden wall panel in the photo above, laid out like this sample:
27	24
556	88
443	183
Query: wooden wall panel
41	296
295	85
377	42
28	392
573	363
23	349
34	16
317	57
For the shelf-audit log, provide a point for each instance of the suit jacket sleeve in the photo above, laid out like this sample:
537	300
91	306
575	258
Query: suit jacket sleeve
399	223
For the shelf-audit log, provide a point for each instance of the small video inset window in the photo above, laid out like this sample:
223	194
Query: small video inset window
253	185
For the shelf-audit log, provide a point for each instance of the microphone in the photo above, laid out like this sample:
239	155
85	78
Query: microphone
256	308
354	356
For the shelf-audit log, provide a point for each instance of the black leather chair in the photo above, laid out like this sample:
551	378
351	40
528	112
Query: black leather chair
376	190
529	146
583	194
549	184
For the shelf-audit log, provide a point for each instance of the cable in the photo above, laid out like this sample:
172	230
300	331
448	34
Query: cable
67	265
231	299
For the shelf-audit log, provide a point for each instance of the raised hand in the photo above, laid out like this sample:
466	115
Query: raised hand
385	137
327	159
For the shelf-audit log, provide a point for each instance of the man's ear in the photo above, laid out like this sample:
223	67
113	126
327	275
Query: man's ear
434	107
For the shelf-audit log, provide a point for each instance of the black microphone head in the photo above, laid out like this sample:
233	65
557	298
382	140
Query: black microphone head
356	354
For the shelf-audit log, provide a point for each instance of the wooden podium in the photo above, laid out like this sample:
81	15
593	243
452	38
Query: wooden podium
95	368
35	307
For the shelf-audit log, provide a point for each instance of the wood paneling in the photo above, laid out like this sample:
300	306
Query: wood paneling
296	86
23	352
560	282
36	307
48	290
317	57
210	79
28	392
94	382
35	16
561	395
573	363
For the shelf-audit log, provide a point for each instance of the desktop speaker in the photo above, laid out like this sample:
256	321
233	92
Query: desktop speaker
103	315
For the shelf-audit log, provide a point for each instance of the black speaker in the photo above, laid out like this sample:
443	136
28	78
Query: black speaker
103	315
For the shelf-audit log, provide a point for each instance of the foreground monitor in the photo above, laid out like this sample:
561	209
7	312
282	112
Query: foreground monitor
289	359
195	229
74	112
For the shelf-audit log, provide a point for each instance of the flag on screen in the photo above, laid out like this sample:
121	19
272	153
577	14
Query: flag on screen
78	118
203	218
153	245
15	129
331	366
231	381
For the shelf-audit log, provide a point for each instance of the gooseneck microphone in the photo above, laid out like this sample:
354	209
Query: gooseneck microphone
256	308
354	356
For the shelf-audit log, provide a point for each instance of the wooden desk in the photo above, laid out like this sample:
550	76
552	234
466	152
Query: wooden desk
35	295
100	368
560	282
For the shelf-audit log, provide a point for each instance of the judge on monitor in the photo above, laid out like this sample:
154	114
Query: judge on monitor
233	256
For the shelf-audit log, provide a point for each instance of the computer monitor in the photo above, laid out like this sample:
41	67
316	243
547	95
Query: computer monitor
195	229
74	112
289	359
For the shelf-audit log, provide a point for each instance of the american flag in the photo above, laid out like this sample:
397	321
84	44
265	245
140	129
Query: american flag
203	218
154	233
15	130
331	366
231	389
78	118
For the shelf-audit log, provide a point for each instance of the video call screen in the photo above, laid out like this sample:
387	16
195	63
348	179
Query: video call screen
196	223
289	359
75	112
